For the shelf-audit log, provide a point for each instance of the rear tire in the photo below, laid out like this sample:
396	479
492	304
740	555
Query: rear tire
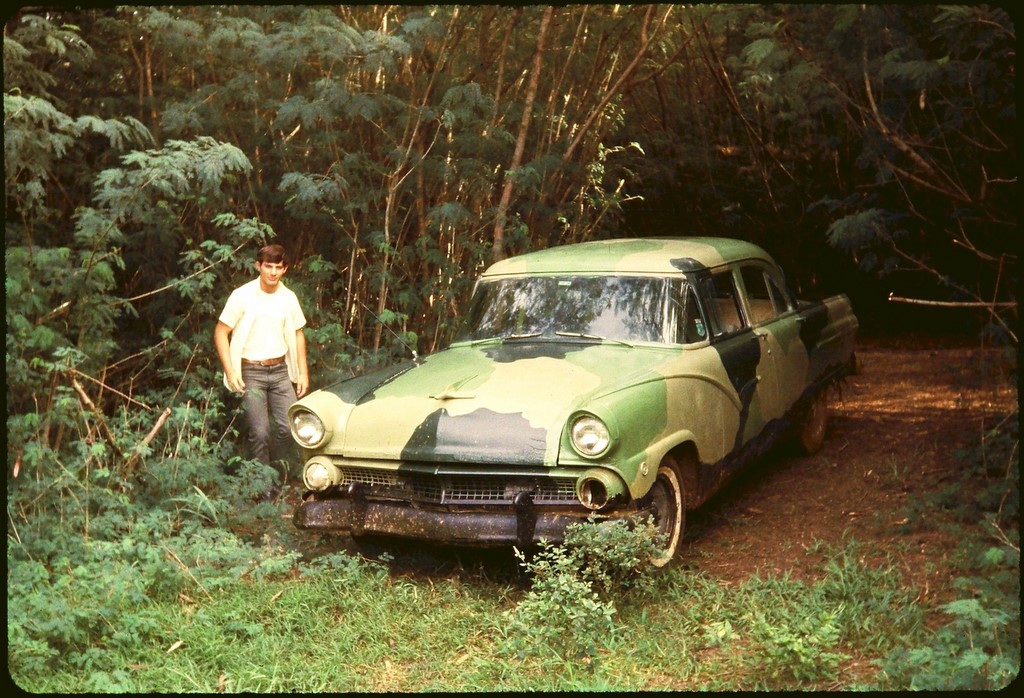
811	436
668	500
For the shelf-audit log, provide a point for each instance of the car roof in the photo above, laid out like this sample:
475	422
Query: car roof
632	255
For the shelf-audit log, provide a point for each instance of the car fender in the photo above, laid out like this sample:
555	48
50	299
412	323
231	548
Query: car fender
651	418
656	453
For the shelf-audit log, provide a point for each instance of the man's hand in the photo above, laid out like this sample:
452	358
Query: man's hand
235	381
222	341
301	385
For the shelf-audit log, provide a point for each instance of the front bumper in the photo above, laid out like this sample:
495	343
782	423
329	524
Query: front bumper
523	523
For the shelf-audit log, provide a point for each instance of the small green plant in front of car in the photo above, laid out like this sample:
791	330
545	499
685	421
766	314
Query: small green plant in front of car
568	612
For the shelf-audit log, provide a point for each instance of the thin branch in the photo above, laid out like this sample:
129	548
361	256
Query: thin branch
113	390
956	195
924	267
136	456
498	239
178	282
990	307
721	76
100	420
184	373
956	192
110	367
952	304
1002	537
645	41
187	571
981	302
671	62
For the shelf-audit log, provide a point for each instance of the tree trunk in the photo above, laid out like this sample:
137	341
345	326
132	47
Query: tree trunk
498	251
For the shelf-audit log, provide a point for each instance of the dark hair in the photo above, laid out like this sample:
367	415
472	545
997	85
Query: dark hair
271	253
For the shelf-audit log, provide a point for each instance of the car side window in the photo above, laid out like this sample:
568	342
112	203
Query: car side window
760	302
723	307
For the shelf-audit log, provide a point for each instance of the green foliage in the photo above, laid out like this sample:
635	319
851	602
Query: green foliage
178	170
933	123
253	616
103	523
567	615
614	557
979	647
38	35
984	490
978	650
801	632
562	617
803	649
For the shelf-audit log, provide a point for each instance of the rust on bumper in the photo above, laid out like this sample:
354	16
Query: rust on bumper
522	524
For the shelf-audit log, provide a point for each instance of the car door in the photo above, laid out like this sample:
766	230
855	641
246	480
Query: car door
741	352
773	319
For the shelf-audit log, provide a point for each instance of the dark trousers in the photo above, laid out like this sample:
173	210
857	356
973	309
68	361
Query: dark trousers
268	395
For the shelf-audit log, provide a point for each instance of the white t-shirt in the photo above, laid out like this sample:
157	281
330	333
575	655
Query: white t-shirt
266	337
263	325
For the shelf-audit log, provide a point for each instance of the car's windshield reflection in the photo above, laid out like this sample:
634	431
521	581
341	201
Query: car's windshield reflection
619	308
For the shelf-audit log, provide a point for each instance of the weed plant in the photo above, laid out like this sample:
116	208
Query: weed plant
568	613
978	647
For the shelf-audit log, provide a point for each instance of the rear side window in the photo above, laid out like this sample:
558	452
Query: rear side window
759	297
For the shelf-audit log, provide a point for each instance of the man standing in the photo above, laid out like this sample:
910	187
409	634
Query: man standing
262	349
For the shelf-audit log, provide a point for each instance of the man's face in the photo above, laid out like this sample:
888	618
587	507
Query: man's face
270	274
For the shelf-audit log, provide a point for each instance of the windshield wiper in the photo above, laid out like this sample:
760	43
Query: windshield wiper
594	337
495	340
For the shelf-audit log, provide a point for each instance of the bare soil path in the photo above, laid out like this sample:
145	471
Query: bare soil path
893	435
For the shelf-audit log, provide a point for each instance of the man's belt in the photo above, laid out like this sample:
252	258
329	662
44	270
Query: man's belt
264	362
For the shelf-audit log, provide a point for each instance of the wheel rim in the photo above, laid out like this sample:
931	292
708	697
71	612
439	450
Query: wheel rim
667	503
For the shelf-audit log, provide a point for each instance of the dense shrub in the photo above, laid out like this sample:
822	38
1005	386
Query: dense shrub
568	612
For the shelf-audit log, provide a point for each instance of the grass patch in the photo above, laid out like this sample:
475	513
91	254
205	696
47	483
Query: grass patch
586	622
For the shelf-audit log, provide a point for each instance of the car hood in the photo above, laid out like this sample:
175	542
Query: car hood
492	404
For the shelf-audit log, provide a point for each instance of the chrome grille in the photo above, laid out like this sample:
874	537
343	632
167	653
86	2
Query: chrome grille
498	490
366	476
461	489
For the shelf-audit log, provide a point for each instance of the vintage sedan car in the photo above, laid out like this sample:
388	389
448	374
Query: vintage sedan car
614	380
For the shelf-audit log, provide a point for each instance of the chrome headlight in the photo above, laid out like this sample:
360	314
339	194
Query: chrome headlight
320	475
307	429
590	436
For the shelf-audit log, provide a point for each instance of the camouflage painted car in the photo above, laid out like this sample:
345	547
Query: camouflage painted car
612	380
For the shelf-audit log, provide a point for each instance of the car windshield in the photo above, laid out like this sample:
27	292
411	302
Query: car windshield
622	308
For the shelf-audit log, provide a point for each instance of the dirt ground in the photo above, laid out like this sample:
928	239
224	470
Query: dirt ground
893	432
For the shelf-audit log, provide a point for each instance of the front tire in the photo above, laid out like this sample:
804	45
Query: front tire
668	501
